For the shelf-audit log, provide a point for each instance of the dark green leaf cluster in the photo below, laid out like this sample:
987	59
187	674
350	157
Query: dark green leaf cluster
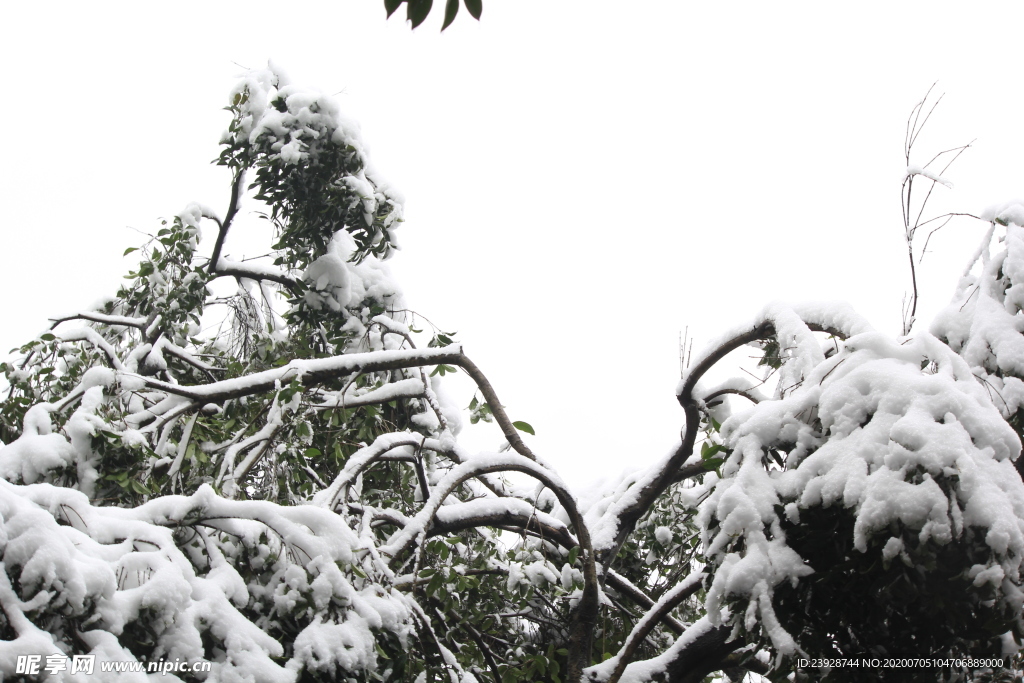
923	603
418	10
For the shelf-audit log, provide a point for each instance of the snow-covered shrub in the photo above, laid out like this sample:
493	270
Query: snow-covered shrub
897	483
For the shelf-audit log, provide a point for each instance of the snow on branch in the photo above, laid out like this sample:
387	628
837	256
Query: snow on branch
404	388
930	175
612	669
96	317
502	513
254	271
308	372
96	339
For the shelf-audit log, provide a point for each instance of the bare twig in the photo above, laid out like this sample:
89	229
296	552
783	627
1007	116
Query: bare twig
911	222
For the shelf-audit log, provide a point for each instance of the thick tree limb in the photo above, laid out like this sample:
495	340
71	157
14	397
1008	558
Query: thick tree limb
707	652
668	602
621	584
584	619
672	469
503	512
233	205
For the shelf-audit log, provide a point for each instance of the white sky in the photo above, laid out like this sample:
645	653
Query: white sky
583	179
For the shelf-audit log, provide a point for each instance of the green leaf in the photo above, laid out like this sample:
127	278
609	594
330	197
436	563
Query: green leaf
46	336
712	463
451	8
129	250
417	11
475	7
312	452
573	554
442	369
524	427
710	450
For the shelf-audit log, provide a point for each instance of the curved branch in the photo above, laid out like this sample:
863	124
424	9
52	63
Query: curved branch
584	619
92	316
233	205
672	469
668	602
502	513
382	515
549	529
702	649
498	410
90	335
739	392
255	455
623	585
366	456
763	330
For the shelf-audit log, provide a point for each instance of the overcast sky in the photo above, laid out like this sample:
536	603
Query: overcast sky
584	180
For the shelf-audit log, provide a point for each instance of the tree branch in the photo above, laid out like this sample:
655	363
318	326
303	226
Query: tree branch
739	392
315	371
233	205
584	619
498	410
308	372
230	268
668	602
92	316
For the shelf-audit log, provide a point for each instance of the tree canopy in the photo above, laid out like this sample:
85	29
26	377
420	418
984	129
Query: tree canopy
255	464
